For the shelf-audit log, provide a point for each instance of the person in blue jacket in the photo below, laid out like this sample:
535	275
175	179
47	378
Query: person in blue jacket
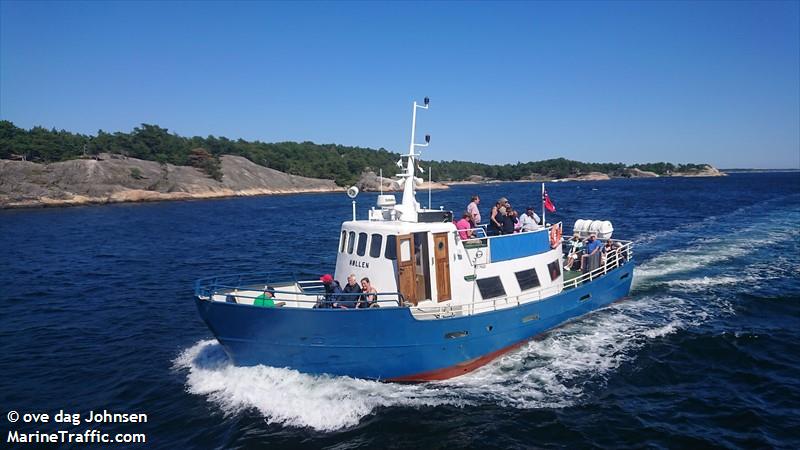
593	246
332	291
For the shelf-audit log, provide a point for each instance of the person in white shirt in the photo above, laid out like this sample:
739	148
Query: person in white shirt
529	221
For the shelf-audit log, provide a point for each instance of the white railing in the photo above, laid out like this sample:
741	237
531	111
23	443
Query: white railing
614	259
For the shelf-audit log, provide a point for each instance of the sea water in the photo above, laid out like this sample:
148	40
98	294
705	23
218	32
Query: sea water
97	315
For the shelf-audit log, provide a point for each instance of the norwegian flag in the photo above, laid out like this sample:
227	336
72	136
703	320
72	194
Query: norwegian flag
546	201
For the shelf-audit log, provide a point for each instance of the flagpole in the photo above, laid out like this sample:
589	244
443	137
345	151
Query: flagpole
544	222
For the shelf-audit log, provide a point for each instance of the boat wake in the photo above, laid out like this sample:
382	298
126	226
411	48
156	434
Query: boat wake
560	369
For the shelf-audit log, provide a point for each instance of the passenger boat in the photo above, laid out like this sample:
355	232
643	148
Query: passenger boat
447	305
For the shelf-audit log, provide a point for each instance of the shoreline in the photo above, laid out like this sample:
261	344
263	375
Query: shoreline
138	196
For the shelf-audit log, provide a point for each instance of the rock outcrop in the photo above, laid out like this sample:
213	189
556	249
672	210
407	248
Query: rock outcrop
113	178
638	173
370	181
706	171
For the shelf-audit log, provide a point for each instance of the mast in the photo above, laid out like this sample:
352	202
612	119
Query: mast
409	207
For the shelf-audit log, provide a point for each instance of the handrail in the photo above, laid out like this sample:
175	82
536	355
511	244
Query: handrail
517	232
618	258
238	285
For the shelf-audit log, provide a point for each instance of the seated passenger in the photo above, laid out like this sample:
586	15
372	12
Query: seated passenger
464	227
575	247
332	291
610	252
529	221
370	297
266	298
350	293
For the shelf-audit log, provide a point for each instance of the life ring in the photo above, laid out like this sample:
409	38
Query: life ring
555	236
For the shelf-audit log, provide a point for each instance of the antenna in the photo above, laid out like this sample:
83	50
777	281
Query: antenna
409	206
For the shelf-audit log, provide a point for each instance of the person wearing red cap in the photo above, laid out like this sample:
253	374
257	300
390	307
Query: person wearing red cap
332	289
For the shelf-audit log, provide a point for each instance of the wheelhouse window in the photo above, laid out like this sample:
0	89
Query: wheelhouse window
527	279
555	270
351	242
391	247
491	287
342	242
362	244
375	245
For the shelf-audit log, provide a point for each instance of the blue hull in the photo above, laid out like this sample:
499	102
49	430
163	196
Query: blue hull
389	343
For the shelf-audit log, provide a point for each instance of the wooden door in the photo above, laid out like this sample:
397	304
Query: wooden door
441	254
406	268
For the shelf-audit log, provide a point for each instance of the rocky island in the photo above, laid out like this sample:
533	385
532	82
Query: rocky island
114	178
41	167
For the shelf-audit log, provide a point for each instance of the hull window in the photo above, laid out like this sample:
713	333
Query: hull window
361	250
375	245
491	287
555	270
527	279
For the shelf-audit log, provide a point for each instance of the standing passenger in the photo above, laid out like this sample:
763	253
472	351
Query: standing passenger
475	213
506	221
495	226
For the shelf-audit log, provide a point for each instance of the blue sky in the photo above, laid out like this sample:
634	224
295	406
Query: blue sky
714	82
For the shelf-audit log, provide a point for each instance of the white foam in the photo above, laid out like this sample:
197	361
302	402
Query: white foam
294	399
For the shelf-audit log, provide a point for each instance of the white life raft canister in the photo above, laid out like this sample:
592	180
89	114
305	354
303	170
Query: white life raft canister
584	227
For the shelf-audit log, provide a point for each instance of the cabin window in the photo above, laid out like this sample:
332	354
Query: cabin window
555	270
527	279
405	250
343	241
362	244
391	247
491	287
351	242
375	245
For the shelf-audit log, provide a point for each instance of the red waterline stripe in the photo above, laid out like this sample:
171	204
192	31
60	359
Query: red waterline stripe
460	368
472	364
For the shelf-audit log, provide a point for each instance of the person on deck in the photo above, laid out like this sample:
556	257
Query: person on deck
610	252
370	297
529	221
474	212
266	298
495	226
592	247
350	299
576	245
464	227
506	221
332	291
